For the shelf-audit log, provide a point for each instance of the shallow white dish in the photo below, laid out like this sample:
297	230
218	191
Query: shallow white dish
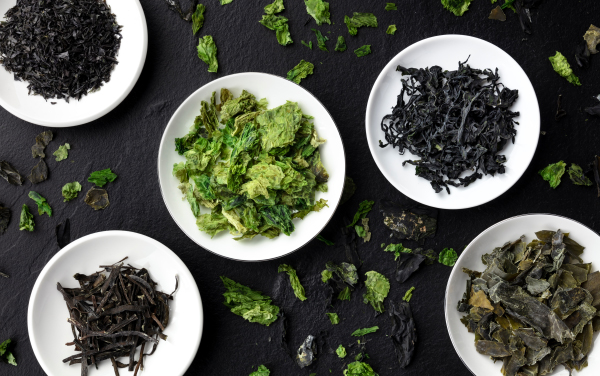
277	90
47	313
14	96
495	236
446	51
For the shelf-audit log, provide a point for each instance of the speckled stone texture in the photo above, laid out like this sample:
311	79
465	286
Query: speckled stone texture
127	141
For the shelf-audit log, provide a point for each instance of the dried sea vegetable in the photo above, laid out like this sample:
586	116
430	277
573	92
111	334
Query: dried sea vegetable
62	152
341	352
411	222
274	8
97	198
5	354
458	7
391	30
175	6
261	371
70	191
101	177
333	317
408	294
359	20
39	172
341	280
319	10
10	174
363	50
250	304
451	139
41	141
404	331
363	331
198	18
577	176
321	39
359	368
4	218
378	287
322	239
26	219
592	38
42	203
294	281
207	52
553	173
391	6
349	189
307	352
300	71
363	210
309	44
63	234
497	14
563	68
448	257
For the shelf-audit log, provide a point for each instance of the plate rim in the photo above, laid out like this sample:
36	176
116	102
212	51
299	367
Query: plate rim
101	234
163	143
481	234
73	123
370	106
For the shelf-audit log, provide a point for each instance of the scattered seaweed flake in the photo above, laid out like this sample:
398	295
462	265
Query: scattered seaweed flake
175	6
63	234
456	122
411	222
113	312
592	38
307	352
404	331
595	165
81	40
582	55
497	14
97	198
39	173
41	141
349	189
4	218
560	112
593	110
10	174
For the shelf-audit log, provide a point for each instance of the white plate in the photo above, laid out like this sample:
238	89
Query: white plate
132	55
446	51
495	236
47	314
277	90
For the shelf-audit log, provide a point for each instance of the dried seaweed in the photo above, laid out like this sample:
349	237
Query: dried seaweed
497	14
404	332
593	110
112	313
10	174
63	234
560	112
4	218
410	221
582	55
456	122
349	189
175	6
97	198
39	172
592	38
307	352
41	141
408	263
75	56
595	165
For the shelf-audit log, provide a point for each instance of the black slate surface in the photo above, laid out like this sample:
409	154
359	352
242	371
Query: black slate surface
127	140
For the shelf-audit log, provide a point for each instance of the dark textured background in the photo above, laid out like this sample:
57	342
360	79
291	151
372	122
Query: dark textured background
127	140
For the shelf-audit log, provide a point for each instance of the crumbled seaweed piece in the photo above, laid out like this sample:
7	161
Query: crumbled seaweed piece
408	294
592	38
26	219
70	191
391	6
328	242
10	174
560	112
274	8
333	317
349	189
359	20
261	371
207	52
63	234
340	46
279	24
363	50
363	210
497	14
363	331
404	332
341	352
411	222
407	265
307	352
582	55
553	173
359	368
97	198
101	177
577	176
563	68
378	287
449	140
391	30
62	152
294	280
321	39
448	257
5	354
4	218
175	6
300	71
309	44
319	10
41	141
39	172
42	203
458	7
250	304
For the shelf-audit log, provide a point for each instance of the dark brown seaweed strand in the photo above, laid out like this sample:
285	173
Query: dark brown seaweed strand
141	287
122	324
112	277
140	360
158	322
120	334
114	364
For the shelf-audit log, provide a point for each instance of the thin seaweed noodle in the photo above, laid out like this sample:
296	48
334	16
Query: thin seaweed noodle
457	122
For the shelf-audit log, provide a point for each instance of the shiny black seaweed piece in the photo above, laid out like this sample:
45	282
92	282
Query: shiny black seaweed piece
582	55
4	218
409	221
404	332
456	122
407	264
10	174
62	48
63	234
593	110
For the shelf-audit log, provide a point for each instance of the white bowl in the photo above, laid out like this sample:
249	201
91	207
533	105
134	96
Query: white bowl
495	236
446	51
47	314
15	99
277	90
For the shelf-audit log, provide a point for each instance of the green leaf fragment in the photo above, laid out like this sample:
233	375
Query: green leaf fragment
577	176
321	39
378	287
250	304
101	177
26	219
326	275
223	2
333	317
341	351
391	6
321	238
10	358
42	203
309	44
345	294
359	368
391	29
363	210
340	45
300	71
363	51
397	249
275	7
212	223
319	10
553	173
294	280
359	20
62	153
563	68
70	191
198	18
448	257
278	216
280	25
261	371
458	7
362	332
207	52
408	294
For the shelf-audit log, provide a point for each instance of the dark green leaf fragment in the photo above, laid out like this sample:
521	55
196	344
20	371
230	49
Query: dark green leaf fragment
41	141
26	219
41	202
363	210
359	368
553	173
391	30
378	287
458	7
349	189
319	10
280	25
250	304
207	52
404	332
198	18
448	257
309	44
7	355
409	222
294	280
333	317
10	174
321	39
300	71
497	14
577	176
340	45
4	218
391	6
97	198
321	238
39	173
363	51
359	20
101	177
278	216
261	371
362	332
397	249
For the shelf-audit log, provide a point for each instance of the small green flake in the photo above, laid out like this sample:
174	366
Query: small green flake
42	203
577	176
333	317
261	371
198	18
408	294
70	191
62	152
300	71
10	358
26	219
207	52
363	51
391	29
363	331
397	249
563	68
326	275
448	257
378	287
341	351
553	173
340	46
309	44
101	177
458	7
321	39
294	280
391	6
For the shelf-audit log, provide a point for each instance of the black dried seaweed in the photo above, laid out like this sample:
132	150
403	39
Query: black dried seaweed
307	352
97	198
411	221
10	174
595	166
560	112
408	263
283	342
63	234
62	48
404	332
41	141
111	316
4	218
39	172
593	110
582	55
349	240
455	121
341	282
175	6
